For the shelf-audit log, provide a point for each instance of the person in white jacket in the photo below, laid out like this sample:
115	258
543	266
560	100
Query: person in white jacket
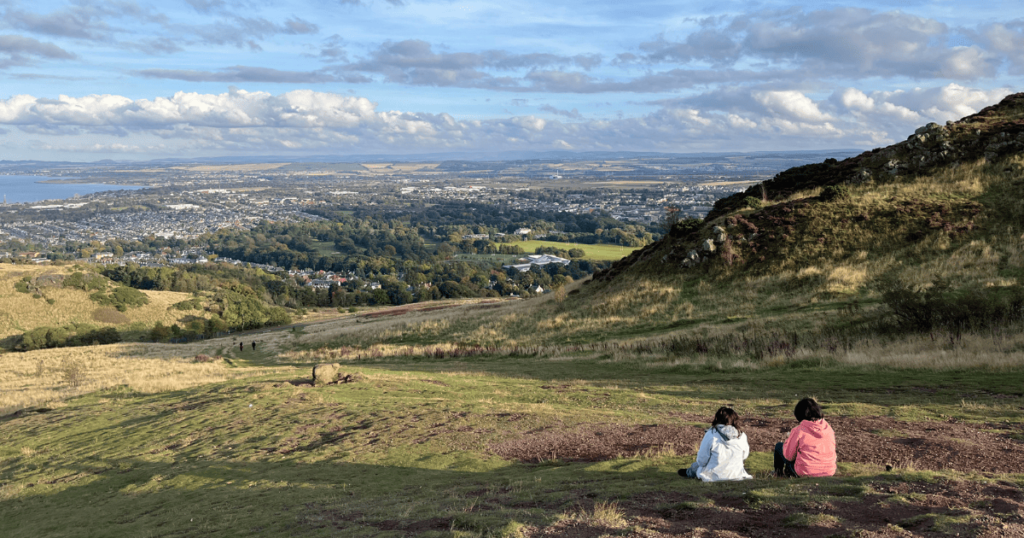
722	451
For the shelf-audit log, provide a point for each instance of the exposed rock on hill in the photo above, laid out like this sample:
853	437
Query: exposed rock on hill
990	134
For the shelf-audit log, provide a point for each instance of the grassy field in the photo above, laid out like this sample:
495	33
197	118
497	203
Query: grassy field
441	447
594	252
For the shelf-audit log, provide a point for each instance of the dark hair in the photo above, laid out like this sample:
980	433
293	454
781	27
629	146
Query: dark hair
807	409
726	416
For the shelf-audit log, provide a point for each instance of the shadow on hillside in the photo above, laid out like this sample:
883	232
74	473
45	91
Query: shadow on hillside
137	496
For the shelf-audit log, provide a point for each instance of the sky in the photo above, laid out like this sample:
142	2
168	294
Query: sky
133	80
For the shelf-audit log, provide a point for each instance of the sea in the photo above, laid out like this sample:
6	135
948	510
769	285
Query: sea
29	189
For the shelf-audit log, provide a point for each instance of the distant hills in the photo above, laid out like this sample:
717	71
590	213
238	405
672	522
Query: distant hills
494	156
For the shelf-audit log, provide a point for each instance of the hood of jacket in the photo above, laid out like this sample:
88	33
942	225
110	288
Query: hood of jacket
728	432
816	427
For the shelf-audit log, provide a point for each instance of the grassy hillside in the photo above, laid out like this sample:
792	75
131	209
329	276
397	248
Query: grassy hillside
51	304
833	263
890	298
525	446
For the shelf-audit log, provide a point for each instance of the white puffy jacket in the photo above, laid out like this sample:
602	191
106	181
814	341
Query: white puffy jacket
721	455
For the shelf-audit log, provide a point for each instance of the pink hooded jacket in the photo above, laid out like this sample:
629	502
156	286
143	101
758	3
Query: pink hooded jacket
811	447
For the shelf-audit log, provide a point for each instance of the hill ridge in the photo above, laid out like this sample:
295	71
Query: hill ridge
755	225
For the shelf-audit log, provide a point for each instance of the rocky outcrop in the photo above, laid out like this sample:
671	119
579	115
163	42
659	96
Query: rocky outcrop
742	236
329	374
991	134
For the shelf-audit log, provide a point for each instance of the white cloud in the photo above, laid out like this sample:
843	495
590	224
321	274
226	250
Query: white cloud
792	104
241	122
855	99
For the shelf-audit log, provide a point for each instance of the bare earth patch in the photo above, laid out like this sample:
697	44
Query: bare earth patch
871	440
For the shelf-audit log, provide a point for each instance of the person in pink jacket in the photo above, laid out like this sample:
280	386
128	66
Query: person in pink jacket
810	449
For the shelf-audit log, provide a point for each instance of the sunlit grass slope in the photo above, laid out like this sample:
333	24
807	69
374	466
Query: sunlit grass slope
47	377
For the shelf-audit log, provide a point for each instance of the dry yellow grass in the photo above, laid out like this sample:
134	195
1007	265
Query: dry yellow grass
20	312
35	378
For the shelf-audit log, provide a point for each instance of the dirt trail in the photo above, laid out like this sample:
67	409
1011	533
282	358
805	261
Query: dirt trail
872	440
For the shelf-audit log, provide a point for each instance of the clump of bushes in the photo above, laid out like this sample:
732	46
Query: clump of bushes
943	307
122	298
72	372
90	282
194	303
835	192
685	227
554	251
753	203
67	336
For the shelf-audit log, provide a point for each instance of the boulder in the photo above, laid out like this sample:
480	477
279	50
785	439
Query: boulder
708	246
328	374
718	230
720	238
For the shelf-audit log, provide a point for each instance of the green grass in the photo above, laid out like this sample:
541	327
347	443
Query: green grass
594	252
407	447
325	248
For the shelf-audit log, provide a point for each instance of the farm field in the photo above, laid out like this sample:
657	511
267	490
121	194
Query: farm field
594	252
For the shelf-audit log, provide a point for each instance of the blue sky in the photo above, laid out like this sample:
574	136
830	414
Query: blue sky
86	80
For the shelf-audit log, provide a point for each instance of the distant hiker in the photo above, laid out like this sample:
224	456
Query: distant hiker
722	451
241	346
810	449
254	345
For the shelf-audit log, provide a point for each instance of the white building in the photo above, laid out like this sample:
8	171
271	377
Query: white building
537	259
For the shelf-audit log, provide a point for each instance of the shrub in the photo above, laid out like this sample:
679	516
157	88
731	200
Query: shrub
835	192
51	337
554	251
194	303
21	286
943	307
577	253
685	227
85	282
72	372
122	298
159	332
753	203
